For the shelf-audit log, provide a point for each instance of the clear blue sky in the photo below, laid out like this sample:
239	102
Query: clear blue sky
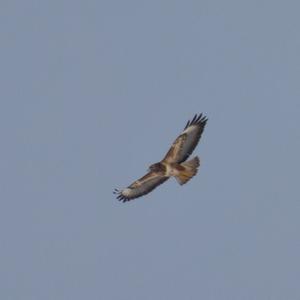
92	93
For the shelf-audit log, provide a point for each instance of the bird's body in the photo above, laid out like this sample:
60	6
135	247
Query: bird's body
174	164
168	169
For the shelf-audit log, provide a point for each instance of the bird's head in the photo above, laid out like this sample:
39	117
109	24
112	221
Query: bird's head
157	167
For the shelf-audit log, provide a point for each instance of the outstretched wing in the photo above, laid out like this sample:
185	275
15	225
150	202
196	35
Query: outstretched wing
185	144
141	186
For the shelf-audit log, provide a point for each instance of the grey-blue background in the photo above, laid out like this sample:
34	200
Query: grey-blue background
92	92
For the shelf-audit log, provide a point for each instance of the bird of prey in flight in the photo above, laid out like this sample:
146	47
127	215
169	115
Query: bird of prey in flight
174	164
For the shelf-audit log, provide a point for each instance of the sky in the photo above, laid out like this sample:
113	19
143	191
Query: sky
92	93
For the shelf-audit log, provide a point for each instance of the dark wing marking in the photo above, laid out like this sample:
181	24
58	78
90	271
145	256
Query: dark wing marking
186	142
141	186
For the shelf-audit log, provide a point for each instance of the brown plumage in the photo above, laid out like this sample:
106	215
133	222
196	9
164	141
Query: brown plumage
173	164
187	170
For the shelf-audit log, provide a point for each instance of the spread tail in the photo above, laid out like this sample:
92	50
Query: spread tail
188	170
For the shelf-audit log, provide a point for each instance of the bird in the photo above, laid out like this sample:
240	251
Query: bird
174	163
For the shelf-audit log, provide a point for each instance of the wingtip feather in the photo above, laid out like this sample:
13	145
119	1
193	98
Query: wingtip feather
194	119
187	124
120	196
197	119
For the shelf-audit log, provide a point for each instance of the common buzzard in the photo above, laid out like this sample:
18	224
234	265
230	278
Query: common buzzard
173	164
